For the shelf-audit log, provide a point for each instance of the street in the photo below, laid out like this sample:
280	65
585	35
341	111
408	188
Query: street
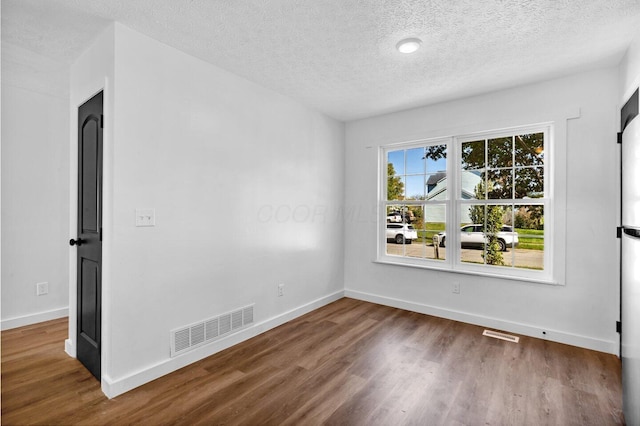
521	258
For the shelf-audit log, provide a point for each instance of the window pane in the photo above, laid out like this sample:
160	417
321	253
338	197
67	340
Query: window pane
428	221
496	239
529	182
499	153
415	161
529	225
395	185
415	187
472	185
433	234
471	236
394	226
473	155
487	235
509	235
500	184
395	213
400	232
436	186
471	214
436	158
396	159
529	149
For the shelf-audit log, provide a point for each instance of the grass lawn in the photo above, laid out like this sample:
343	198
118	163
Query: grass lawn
531	239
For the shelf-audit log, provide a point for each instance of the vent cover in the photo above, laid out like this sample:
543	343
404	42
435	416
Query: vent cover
501	336
191	336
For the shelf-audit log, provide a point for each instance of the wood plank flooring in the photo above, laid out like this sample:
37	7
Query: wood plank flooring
348	363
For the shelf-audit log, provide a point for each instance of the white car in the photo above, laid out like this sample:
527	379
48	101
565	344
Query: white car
473	236
401	233
394	217
398	217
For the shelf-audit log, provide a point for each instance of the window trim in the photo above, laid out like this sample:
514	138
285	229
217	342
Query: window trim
453	205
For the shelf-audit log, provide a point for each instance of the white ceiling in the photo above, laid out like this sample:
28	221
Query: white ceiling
339	56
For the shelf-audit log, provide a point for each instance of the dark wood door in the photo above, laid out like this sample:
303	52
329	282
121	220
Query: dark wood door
89	237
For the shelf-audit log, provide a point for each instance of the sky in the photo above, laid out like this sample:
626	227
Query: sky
414	169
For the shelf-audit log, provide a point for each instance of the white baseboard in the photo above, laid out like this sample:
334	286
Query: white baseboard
10	323
495	323
114	387
69	348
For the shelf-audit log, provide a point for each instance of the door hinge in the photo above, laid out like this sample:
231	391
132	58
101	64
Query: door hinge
100	234
102	121
619	232
618	327
619	137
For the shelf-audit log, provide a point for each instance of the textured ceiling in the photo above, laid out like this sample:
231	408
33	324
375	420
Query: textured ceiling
339	56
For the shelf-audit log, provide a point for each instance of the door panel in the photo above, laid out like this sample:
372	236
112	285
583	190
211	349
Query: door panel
89	299
89	241
89	151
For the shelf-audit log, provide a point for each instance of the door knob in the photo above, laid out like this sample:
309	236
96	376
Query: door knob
78	242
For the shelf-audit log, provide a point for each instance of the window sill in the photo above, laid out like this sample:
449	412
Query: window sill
448	268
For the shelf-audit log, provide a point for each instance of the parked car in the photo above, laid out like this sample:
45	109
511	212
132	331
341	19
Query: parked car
473	236
397	217
394	217
401	233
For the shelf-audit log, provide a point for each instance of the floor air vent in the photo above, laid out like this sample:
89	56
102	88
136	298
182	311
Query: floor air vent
189	337
501	336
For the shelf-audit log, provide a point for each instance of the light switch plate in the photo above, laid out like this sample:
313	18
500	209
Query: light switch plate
145	217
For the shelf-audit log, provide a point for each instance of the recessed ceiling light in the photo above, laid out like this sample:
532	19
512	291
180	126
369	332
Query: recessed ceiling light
408	45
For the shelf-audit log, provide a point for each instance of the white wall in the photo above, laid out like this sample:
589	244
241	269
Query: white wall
247	186
35	191
584	310
630	70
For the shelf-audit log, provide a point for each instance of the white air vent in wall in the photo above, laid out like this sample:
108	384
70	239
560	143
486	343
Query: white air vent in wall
185	338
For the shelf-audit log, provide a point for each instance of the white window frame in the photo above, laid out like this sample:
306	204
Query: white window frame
454	202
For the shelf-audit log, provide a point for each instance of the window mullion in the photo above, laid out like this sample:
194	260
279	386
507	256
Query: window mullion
453	216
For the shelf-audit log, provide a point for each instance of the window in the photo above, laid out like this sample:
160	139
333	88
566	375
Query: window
477	203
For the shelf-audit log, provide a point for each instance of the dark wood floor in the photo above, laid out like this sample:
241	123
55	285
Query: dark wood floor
348	363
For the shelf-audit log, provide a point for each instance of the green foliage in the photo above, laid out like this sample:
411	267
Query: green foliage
435	152
417	214
528	151
506	179
476	213
529	217
491	218
395	186
493	225
473	155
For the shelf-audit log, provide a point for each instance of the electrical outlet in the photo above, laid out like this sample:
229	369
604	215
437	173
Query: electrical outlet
455	288
280	290
145	217
42	289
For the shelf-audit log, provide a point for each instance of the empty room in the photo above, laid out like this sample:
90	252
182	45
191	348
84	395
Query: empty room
376	212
